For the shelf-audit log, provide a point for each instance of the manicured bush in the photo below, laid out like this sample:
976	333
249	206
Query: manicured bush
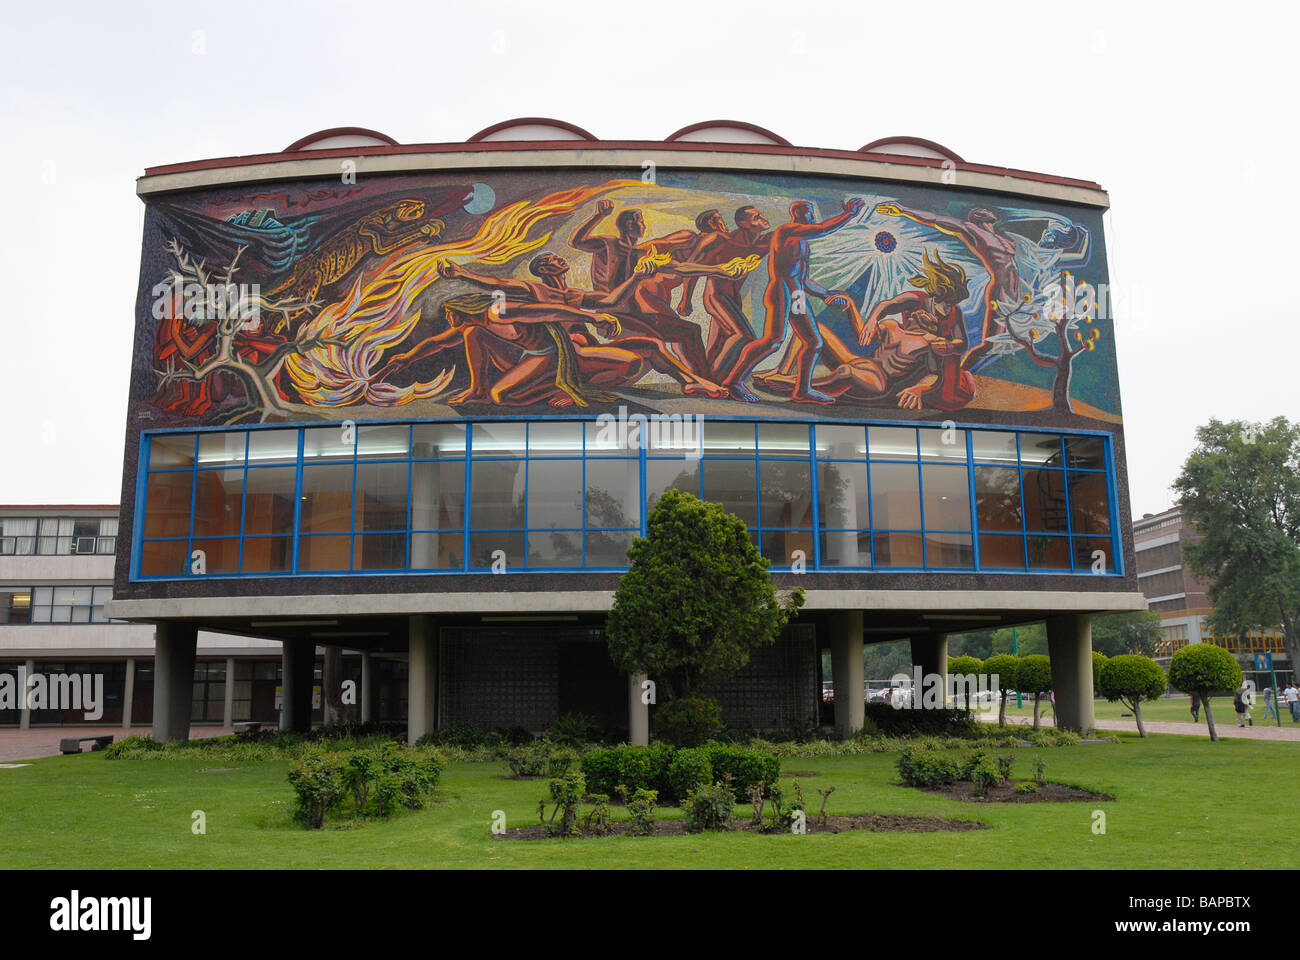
690	768
901	722
566	793
1034	675
462	735
983	774
709	808
688	721
1131	678
1004	666
318	780
927	768
637	768
1099	660
641	805
745	767
965	666
1204	669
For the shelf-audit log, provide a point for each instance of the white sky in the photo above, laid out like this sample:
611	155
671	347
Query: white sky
1186	115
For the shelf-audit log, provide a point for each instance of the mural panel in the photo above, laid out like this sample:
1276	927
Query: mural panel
561	291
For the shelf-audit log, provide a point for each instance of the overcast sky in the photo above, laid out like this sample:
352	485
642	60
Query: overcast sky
1186	115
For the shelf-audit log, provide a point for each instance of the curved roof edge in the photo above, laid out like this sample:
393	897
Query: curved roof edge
304	143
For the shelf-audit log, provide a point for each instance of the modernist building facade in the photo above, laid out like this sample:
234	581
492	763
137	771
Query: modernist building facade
418	401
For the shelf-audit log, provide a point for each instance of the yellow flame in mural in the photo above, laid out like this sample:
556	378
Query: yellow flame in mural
376	313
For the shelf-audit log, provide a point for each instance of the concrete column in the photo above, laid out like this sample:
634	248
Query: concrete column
228	709
422	676
24	714
846	672
638	712
331	685
367	682
930	653
1069	645
128	693
175	645
299	663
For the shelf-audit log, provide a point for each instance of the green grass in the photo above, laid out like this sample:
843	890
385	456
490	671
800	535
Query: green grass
1181	802
1167	709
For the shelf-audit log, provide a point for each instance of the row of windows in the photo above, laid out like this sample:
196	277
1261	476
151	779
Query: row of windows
573	495
54	605
27	536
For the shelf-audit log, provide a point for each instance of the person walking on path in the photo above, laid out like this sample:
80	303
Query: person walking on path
1196	708
1292	696
1270	705
1241	702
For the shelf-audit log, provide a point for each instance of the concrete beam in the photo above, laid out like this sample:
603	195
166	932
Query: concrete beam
1069	645
296	675
847	672
175	645
421	677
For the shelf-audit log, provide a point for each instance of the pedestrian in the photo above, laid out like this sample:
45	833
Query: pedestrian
1292	696
1196	708
1270	706
1241	703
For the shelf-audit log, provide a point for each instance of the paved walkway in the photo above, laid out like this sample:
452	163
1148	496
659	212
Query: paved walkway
1226	728
18	744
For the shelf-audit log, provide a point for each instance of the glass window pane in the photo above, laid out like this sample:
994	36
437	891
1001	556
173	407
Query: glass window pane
505	546
1002	552
898	549
219	556
661	475
994	447
786	493
949	551
732	484
380	496
1040	448
1085	453
836	442
438	495
164	558
1048	553
383	442
1044	496
171	451
43	596
562	439
613	493
1089	503
939	444
431	441
379	551
554	495
619	438
783	439
268	500
846	548
321	444
323	553
218	503
1090	551
167	504
437	551
554	548
842	495
997	498
498	440
891	443
268	554
326	498
272	446
724	438
606	548
221	449
782	548
895	499
946	497
497	495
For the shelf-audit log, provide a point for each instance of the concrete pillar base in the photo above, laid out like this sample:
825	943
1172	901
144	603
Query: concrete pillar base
846	672
1069	645
422	677
175	646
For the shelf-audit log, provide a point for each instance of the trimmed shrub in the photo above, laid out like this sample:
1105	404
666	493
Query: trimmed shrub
690	768
573	730
927	768
1204	669
983	774
1131	678
318	780
891	722
132	744
1099	660
745	767
641	805
688	721
965	666
1027	787
566	794
709	808
1004	666
1034	675
636	768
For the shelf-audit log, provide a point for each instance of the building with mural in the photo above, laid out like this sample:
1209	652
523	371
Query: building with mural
417	400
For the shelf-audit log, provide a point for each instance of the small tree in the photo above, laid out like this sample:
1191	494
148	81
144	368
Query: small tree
1005	667
965	666
1134	631
1131	678
1099	660
1034	675
1203	669
697	600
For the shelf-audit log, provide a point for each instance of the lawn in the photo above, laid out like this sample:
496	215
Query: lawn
1181	802
1168	709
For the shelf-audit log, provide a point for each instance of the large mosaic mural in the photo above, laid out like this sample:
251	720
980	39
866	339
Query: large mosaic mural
558	291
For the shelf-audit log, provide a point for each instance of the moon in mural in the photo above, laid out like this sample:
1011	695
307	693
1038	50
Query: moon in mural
481	200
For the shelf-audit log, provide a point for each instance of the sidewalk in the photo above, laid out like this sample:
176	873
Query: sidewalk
1227	729
16	745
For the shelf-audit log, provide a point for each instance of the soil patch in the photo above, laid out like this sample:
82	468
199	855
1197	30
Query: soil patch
800	774
1006	793
879	823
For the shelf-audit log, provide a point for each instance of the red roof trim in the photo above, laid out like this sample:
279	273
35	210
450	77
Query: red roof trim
530	121
311	138
914	141
685	147
734	124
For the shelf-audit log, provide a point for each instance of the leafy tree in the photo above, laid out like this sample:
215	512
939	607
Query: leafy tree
882	660
1131	678
1099	660
963	666
978	643
1028	639
1034	675
697	599
1005	667
1135	631
1204	669
1240	488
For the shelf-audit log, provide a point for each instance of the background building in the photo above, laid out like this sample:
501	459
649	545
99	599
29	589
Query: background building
417	400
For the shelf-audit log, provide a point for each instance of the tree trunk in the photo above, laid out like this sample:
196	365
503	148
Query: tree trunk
1061	385
1037	698
1209	717
1137	714
1002	710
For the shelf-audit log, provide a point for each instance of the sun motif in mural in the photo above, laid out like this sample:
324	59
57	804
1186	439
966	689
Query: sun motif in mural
885	241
